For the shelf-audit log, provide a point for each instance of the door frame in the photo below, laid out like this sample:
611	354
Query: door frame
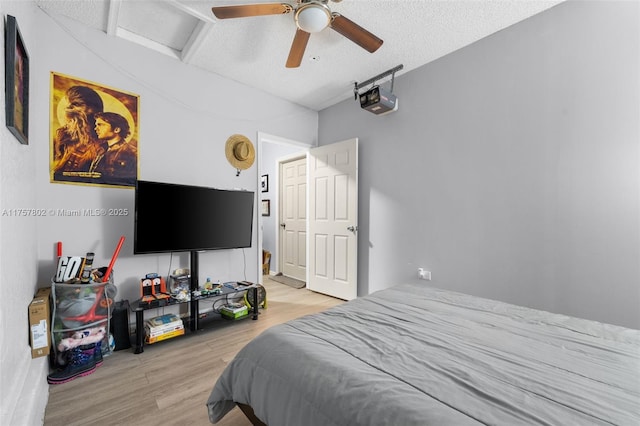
275	199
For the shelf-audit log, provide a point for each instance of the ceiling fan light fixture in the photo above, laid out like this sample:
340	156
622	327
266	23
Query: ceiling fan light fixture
313	17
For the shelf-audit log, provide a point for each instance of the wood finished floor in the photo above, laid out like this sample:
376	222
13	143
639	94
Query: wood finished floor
169	383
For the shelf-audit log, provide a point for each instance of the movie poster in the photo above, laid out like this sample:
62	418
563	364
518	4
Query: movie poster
94	133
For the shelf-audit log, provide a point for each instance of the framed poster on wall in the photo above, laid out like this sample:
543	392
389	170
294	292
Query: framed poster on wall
16	82
94	133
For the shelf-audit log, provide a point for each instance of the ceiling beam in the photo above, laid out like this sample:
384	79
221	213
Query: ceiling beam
196	39
190	11
112	18
150	44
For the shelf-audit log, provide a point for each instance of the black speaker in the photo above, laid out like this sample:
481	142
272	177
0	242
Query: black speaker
120	325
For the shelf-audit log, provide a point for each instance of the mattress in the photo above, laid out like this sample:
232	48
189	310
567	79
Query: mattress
417	355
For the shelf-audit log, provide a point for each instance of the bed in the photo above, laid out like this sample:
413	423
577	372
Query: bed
416	355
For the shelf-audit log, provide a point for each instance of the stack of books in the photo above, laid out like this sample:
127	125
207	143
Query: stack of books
163	327
234	310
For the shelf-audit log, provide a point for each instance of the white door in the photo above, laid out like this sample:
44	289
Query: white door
293	218
333	219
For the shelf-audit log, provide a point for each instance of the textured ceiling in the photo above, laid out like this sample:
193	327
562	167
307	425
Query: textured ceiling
254	50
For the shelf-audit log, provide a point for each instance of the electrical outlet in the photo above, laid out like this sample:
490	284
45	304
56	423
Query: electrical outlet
423	274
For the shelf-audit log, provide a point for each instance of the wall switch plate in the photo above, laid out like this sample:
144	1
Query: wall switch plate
424	274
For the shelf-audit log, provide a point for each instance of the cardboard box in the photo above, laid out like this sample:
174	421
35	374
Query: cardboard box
40	323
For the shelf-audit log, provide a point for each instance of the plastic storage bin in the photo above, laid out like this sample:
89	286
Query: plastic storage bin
81	315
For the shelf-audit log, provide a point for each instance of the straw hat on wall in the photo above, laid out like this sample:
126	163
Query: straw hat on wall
240	152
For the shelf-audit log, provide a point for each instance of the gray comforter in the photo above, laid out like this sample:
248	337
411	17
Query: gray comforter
414	355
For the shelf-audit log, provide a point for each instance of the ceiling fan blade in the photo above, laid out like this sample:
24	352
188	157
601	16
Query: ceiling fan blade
355	33
243	11
297	48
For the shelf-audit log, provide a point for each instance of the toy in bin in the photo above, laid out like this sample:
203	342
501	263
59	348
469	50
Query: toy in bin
77	305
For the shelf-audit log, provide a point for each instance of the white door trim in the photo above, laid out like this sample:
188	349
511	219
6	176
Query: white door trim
266	137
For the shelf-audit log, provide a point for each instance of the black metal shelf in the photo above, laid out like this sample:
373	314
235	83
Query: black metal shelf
194	315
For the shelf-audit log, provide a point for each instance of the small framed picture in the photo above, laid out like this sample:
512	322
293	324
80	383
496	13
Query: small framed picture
17	82
265	183
266	207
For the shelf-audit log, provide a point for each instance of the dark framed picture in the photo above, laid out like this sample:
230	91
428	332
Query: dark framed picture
266	207
16	62
265	183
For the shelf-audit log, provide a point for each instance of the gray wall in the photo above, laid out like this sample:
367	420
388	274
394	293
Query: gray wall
511	169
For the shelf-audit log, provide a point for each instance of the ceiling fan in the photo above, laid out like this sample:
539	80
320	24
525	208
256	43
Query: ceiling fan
311	16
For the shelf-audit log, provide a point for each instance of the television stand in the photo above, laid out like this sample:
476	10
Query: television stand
193	286
194	303
139	309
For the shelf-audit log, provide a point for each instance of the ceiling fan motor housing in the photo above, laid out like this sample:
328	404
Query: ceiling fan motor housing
312	16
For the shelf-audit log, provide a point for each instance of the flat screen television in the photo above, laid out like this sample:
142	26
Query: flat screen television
184	218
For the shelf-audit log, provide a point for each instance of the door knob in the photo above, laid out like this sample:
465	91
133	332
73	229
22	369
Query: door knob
283	225
353	229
